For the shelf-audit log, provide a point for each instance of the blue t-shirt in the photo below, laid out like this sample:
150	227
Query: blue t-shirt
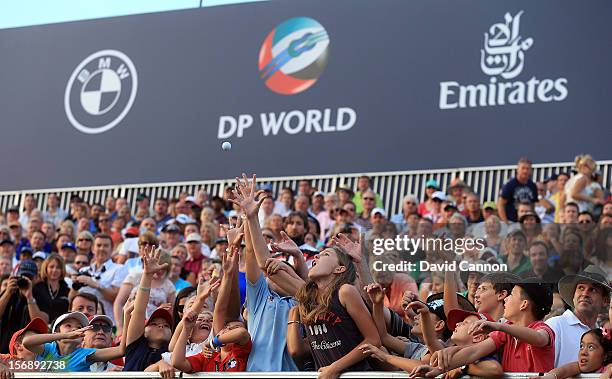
515	193
267	322
242	286
180	284
75	361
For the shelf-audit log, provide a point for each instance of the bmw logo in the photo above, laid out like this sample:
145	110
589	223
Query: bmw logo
101	91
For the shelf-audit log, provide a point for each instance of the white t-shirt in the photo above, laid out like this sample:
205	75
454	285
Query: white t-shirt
190	350
568	331
158	295
109	274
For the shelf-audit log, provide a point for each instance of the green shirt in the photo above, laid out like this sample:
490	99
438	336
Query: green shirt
359	207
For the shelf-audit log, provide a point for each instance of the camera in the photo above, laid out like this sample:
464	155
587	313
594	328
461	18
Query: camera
22	283
76	285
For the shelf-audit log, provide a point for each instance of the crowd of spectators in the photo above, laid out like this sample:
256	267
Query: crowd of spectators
257	281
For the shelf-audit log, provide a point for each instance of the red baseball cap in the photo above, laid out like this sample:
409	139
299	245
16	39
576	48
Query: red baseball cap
37	325
160	313
458	315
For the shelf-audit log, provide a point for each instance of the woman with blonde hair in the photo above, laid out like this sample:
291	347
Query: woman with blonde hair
578	188
51	293
208	232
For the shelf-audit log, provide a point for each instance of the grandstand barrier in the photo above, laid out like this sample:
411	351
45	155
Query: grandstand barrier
250	375
391	186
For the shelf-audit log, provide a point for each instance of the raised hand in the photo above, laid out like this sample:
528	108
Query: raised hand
76	334
353	249
234	234
373	351
245	195
128	308
285	245
375	292
230	260
189	319
151	260
408	298
208	288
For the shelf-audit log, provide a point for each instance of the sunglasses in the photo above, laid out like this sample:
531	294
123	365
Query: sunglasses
80	263
368	198
83	239
104	328
585	222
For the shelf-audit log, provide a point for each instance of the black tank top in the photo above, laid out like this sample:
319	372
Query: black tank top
333	336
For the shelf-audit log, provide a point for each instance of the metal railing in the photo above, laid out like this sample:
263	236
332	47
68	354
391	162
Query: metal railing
284	375
391	186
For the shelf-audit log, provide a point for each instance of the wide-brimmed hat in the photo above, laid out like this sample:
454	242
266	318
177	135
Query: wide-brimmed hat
593	274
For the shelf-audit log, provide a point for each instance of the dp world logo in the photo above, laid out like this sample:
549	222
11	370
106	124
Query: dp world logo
100	91
294	55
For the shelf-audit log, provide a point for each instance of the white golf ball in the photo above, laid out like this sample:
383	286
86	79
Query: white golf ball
226	146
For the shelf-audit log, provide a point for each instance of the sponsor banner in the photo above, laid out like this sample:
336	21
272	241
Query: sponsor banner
323	87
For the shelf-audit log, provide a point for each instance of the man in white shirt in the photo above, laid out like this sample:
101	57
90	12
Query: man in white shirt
586	292
103	277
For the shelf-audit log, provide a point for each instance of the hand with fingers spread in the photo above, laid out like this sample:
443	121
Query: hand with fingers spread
151	261
482	327
246	194
285	245
128	308
408	298
373	351
208	288
230	262
375	292
234	234
353	249
274	265
425	371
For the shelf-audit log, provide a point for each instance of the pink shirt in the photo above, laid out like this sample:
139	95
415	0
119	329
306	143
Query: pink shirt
520	356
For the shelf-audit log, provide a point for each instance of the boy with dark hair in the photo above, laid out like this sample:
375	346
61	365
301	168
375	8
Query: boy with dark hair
528	343
490	294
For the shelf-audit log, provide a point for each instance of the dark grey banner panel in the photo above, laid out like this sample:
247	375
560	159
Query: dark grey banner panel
304	87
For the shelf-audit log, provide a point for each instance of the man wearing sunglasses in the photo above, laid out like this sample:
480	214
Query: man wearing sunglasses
100	337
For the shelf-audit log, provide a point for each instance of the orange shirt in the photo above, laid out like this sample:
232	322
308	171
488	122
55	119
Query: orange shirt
395	291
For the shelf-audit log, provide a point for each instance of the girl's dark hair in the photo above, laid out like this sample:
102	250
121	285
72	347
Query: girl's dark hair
185	292
604	337
601	247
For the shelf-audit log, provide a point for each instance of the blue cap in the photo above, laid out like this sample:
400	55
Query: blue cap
69	245
27	268
432	183
266	187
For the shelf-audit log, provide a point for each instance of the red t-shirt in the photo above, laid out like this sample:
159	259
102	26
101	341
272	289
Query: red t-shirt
520	356
236	360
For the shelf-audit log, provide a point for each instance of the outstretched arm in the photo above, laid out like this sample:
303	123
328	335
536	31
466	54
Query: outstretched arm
230	272
376	297
535	337
35	343
110	353
150	260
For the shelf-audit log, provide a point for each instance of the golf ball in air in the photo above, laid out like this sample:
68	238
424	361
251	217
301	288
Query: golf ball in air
226	146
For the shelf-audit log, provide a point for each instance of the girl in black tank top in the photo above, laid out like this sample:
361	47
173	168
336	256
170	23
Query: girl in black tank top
335	317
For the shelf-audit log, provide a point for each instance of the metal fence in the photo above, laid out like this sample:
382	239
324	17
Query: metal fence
392	186
251	375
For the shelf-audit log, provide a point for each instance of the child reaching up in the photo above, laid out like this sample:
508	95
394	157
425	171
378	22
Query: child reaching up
594	356
232	344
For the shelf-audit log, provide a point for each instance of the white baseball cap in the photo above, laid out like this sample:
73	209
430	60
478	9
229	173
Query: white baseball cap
193	237
80	317
439	195
104	318
379	211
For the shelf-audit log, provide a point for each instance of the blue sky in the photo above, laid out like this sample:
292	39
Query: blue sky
36	12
